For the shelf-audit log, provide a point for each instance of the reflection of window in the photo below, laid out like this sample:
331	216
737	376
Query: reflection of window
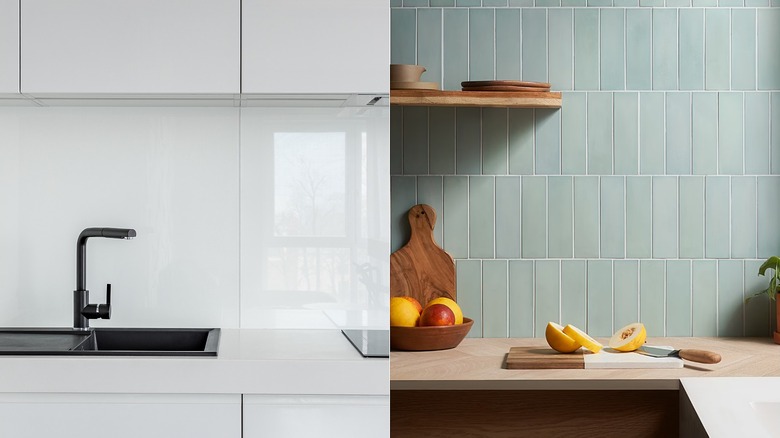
309	184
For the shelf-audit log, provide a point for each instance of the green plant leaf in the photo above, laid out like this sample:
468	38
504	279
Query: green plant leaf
770	263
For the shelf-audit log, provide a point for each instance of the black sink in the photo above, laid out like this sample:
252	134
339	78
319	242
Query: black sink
111	342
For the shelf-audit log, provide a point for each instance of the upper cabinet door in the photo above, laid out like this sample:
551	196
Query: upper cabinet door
315	46
9	47
138	46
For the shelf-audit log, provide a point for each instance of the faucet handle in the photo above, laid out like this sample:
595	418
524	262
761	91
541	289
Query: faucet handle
99	311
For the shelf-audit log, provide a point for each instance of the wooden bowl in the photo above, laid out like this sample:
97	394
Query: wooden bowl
429	338
405	72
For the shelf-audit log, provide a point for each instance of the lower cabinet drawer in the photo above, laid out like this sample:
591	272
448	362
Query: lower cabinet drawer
120	415
342	416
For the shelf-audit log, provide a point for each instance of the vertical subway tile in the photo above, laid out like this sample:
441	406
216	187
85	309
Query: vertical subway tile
430	190
600	298
651	296
548	141
495	296
756	3
403	23
625	3
469	285
691	49
626	133
508	43
574	293
467	3
678	133
651	3
534	217
396	140
757	309
561	50
441	140
678	3
442	3
743	49
600	133
768	48
573	129
692	217
730	301
508	217
743	217
415	140
651	133
494	141
678	298
730	133
560	215
664	217
705	290
638	217
665	49
573	3
639	53
547	3
730	3
597	3
612	217
626	292
521	141
403	195
757	131
547	288
398	3
716	49
774	146
704	3
415	3
521	298
429	43
455	48
521	3
455	218
716	217
768	212
586	49
612	49
500	3
481	36
481	217
705	133
534	57
586	216
467	141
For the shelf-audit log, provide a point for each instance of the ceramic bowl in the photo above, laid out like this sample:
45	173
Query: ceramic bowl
406	72
429	338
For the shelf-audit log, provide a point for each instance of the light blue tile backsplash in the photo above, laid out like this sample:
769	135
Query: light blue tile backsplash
650	196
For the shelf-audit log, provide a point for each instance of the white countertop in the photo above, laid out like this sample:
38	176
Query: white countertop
249	361
736	406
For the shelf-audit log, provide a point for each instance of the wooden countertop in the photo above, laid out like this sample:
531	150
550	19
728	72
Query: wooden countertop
477	364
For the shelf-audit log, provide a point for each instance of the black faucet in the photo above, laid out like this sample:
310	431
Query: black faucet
82	310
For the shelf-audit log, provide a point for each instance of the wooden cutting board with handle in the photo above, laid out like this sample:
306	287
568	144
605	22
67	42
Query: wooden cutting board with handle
421	269
539	358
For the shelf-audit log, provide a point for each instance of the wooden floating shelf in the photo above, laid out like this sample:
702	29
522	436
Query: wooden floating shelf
476	98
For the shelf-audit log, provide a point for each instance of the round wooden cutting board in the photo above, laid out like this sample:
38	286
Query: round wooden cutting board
421	269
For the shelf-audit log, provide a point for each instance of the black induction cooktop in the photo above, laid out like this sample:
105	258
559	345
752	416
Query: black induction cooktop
370	343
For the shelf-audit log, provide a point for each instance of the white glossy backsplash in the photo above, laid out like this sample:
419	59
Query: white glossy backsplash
229	232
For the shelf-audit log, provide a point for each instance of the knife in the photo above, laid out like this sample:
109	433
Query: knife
701	356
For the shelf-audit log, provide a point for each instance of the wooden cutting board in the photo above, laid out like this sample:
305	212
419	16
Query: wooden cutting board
509	83
421	269
535	358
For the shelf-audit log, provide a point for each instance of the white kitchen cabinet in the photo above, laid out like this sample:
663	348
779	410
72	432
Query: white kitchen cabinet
9	48
342	416
311	46
137	47
120	415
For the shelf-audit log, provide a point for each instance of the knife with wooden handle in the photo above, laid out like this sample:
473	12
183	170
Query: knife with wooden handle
701	356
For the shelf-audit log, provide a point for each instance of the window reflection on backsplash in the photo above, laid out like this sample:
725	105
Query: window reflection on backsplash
314	187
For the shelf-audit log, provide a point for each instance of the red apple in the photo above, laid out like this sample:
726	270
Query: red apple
437	314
